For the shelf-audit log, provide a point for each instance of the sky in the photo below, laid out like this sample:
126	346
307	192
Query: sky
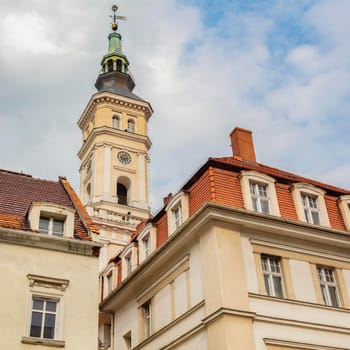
280	68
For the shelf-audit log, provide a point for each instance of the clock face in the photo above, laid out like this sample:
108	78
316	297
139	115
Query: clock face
124	157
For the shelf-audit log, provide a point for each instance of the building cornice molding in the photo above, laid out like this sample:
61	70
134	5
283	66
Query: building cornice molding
38	240
298	346
113	99
106	130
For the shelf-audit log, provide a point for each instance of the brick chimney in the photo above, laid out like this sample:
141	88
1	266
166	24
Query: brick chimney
242	144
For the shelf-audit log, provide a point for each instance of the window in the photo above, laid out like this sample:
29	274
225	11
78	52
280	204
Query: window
116	122
260	198
119	65
344	205
128	265
109	282
43	320
259	193
146	242
312	213
147	318
328	286
109	65
51	226
122	194
177	213
131	125
310	204
272	275
45	310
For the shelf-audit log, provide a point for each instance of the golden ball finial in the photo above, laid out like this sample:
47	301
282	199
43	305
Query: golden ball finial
114	26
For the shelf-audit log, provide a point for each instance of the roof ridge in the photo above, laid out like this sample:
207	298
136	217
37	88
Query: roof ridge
15	173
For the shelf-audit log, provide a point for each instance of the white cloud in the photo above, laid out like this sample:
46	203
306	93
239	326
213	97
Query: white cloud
201	81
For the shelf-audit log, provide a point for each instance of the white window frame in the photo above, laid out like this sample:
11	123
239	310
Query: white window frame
147	318
259	196
344	205
146	245
178	204
46	288
247	178
327	280
51	210
300	189
269	267
50	227
149	231
311	208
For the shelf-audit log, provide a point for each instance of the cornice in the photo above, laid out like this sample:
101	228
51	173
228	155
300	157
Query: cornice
38	240
105	130
113	99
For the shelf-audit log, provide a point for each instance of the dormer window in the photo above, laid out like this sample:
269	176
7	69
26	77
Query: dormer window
51	226
310	204
146	243
177	216
260	197
311	210
52	219
344	204
259	193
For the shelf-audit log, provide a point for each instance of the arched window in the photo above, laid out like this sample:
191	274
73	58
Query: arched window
131	125
122	194
110	65
116	122
119	65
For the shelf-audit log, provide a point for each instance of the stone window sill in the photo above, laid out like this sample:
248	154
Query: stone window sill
45	342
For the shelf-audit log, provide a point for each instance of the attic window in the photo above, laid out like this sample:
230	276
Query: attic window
51	226
52	219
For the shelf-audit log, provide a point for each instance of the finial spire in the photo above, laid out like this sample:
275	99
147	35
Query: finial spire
115	17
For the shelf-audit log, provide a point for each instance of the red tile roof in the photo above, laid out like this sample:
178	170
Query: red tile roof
18	191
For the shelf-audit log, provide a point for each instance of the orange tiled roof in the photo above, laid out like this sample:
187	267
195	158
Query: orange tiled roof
19	191
277	173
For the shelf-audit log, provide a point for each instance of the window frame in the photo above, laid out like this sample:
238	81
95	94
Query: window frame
46	288
248	177
326	285
300	189
51	223
258	198
131	125
270	287
180	201
147	321
116	121
311	207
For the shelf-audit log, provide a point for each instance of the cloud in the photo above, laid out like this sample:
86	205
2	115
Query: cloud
279	68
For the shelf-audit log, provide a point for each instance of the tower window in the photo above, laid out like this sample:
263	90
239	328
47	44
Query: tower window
131	125
119	65
122	194
116	122
109	66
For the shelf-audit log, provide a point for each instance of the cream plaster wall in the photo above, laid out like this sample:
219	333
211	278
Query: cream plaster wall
301	334
302	281
162	308
180	295
249	264
81	295
196	279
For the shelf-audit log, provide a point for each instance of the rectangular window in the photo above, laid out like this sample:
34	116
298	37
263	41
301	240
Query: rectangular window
51	226
311	210
43	318
128	264
146	245
109	282
177	212
147	318
107	331
328	286
272	275
260	198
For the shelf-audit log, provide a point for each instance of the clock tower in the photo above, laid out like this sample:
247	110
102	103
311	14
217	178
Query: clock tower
114	152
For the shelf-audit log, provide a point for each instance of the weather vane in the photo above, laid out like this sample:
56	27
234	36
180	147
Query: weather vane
115	17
